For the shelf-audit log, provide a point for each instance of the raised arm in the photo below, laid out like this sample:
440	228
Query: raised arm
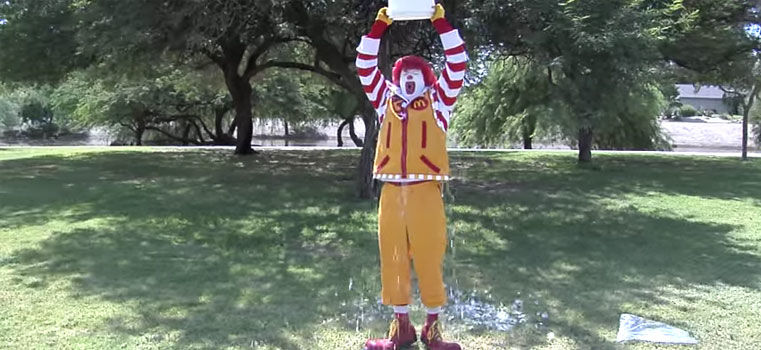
450	82
372	79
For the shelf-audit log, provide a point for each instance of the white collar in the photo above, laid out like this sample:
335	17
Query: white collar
397	91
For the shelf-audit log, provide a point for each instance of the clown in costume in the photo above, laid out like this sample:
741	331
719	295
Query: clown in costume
411	159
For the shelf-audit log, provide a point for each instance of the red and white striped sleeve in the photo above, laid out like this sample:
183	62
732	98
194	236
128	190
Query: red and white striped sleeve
373	81
450	82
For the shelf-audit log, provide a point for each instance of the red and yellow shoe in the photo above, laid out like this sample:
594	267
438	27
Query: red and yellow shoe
432	338
401	334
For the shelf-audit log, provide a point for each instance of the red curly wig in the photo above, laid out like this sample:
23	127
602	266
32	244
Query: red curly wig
414	62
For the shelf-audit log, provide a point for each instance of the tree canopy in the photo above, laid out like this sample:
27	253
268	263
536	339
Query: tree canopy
590	72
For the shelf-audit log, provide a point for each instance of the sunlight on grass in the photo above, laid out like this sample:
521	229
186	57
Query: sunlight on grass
137	248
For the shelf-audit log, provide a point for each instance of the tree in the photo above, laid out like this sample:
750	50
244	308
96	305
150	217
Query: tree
126	36
335	102
284	95
507	105
41	31
597	54
745	89
168	102
27	111
516	100
235	35
333	30
9	110
717	49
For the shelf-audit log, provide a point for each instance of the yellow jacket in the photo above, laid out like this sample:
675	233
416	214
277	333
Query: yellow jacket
411	145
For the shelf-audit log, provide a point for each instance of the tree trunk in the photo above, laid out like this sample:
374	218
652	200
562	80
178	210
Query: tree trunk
365	182
528	127
527	141
746	117
339	136
585	144
240	91
745	135
139	131
285	124
186	134
233	127
335	58
357	141
221	138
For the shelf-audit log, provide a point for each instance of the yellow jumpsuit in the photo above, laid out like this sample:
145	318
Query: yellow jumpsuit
411	158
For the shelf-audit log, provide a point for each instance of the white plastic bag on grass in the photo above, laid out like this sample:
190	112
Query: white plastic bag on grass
635	328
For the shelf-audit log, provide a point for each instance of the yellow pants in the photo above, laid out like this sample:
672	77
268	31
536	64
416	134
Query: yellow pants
412	226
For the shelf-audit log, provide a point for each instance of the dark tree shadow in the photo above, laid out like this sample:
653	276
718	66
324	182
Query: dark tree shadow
262	248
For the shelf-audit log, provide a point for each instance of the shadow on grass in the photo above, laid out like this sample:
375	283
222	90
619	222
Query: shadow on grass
251	249
590	262
227	250
706	177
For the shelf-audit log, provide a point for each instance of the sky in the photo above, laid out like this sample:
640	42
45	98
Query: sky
754	30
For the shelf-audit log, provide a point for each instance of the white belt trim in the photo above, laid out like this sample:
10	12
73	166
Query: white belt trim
411	177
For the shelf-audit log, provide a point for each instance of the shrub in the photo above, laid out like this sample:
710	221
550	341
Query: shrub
688	111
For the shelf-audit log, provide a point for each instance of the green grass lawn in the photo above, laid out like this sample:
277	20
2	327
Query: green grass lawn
154	249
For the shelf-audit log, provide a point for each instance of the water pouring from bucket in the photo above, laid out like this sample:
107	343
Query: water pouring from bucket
408	10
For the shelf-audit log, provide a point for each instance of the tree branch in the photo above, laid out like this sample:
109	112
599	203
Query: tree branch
216	58
205	128
293	65
128	126
198	130
173	137
261	50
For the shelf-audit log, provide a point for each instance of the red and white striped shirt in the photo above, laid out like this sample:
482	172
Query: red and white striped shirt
445	90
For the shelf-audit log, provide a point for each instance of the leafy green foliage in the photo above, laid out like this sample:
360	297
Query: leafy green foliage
517	101
38	40
39	119
602	54
27	111
713	38
635	125
168	97
281	94
513	102
688	111
9	110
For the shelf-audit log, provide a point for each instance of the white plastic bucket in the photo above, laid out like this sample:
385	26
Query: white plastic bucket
405	10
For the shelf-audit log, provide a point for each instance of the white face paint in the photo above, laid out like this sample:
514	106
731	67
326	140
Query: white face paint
412	83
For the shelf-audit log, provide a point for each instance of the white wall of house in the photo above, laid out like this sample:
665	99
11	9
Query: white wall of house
706	97
702	104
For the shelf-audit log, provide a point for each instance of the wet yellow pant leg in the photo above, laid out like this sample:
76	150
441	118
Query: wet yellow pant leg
394	246
426	228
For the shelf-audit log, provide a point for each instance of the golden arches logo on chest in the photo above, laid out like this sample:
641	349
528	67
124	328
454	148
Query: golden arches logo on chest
419	104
